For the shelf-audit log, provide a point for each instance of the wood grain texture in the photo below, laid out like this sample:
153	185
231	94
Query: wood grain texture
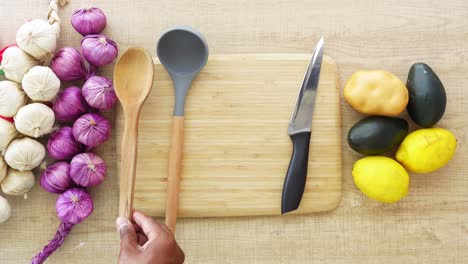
174	174
429	226
128	162
237	149
133	80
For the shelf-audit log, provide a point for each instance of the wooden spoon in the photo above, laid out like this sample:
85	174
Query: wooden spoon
133	80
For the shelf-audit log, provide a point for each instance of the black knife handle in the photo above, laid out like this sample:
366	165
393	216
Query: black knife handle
296	176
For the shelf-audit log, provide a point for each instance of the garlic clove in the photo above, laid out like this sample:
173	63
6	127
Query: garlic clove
7	134
11	98
17	182
3	169
24	154
16	63
35	120
41	84
5	210
37	38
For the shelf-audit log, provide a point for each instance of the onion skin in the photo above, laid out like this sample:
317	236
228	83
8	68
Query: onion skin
69	104
73	207
88	21
87	169
91	130
56	178
62	144
99	50
68	65
99	93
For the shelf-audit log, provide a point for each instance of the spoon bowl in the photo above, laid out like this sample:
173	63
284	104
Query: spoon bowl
133	76
133	80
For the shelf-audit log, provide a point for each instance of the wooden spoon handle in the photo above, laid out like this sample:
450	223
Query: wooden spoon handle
175	169
128	163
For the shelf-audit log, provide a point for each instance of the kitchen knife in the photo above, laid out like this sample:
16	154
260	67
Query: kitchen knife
299	130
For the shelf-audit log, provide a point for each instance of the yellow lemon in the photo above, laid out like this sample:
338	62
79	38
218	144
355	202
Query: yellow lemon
426	150
381	178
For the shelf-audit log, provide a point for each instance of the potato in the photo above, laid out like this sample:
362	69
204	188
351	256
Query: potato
376	92
426	150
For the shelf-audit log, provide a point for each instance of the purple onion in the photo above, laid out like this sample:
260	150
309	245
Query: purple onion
73	207
99	50
62	145
99	93
68	65
88	21
56	177
91	130
87	169
69	104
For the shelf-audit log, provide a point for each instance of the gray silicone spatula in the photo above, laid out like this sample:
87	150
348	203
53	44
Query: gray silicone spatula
183	51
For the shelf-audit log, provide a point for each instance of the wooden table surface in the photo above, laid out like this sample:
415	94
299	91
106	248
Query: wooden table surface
428	226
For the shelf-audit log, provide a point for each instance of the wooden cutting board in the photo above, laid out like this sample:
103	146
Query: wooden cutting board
237	149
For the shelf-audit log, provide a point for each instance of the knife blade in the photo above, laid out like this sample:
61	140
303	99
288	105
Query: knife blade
299	130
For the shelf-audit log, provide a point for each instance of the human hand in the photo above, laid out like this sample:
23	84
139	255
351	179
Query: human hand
146	241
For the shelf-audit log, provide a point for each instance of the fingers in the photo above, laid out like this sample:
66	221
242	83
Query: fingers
155	240
180	257
142	239
136	228
128	236
151	228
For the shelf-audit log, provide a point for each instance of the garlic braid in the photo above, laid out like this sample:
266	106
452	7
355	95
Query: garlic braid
53	14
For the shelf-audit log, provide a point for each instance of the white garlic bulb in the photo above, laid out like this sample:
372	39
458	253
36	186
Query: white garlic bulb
41	84
37	38
17	182
3	169
5	210
24	154
11	98
16	63
35	120
7	134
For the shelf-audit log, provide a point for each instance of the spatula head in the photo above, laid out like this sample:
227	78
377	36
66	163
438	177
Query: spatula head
182	50
133	76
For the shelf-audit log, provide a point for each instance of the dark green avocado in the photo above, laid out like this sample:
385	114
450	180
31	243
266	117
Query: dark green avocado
427	98
375	135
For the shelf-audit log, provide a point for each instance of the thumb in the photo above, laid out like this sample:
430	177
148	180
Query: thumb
128	236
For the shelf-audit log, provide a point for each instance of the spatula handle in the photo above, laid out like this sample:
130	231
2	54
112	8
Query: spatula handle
174	172
128	163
